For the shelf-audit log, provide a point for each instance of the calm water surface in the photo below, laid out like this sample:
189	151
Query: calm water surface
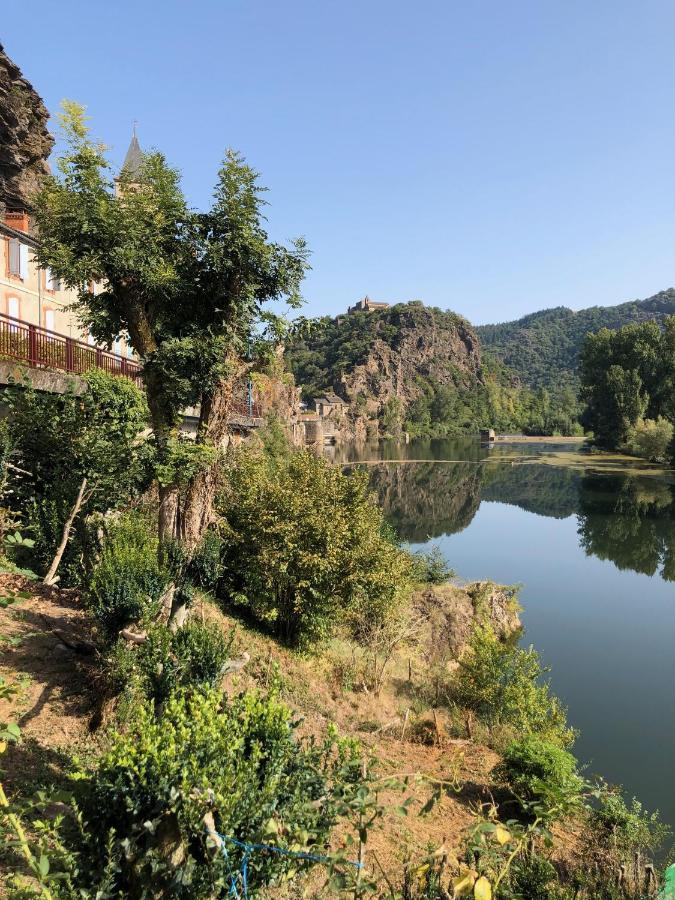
595	555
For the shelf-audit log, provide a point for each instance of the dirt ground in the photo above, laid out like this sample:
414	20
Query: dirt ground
57	706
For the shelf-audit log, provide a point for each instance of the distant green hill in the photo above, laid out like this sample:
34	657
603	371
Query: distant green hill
543	348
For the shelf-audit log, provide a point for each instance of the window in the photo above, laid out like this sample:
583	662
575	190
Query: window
49	320
90	339
23	261
14	257
53	283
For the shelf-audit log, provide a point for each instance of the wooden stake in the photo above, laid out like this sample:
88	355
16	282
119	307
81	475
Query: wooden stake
405	724
50	577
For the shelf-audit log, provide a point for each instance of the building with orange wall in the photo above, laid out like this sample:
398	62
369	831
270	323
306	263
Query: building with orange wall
35	295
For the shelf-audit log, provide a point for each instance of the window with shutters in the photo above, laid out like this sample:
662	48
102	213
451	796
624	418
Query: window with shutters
23	261
14	257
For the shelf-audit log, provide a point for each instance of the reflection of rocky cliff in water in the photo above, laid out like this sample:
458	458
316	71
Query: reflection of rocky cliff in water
427	500
630	521
543	490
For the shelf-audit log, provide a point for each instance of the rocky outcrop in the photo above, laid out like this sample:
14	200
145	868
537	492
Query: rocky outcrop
418	343
452	613
25	142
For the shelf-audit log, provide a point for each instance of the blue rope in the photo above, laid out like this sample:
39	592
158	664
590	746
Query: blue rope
250	848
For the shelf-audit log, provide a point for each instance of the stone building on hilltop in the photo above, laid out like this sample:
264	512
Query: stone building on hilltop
367	305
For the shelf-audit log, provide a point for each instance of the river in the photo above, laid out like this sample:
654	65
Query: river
594	550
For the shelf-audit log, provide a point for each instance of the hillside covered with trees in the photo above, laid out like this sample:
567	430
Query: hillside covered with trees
420	369
543	348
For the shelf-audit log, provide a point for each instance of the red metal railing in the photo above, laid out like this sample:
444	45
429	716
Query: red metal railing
46	349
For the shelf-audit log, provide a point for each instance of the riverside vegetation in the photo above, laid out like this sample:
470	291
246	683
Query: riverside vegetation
219	590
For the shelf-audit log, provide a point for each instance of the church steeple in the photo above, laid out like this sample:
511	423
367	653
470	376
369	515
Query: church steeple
133	161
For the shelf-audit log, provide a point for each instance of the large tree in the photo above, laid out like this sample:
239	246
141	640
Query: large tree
187	287
626	374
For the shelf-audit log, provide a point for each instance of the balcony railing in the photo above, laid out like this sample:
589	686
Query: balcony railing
44	349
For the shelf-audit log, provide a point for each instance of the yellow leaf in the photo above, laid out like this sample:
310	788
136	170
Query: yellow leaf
3	746
461	886
502	834
482	889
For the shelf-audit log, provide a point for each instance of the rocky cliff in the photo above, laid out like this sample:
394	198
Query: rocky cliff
429	345
387	364
25	142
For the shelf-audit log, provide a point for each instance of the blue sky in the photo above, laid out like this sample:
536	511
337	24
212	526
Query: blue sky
485	156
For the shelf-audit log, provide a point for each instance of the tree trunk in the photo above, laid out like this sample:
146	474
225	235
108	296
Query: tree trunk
196	509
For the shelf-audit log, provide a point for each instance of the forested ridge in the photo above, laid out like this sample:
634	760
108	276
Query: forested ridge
543	347
420	369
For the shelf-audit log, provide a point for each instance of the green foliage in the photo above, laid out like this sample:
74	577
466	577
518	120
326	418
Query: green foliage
501	683
205	567
618	836
626	375
431	567
274	439
542	775
628	828
59	439
544	347
187	287
305	548
237	759
194	655
651	439
536	878
127	582
441	398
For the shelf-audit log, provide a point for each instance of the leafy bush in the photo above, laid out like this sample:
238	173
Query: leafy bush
431	567
127	581
235	759
534	877
651	439
617	835
305	548
206	568
62	438
501	682
192	656
541	773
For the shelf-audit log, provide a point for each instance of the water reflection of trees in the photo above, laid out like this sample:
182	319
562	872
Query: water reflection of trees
630	521
627	519
547	491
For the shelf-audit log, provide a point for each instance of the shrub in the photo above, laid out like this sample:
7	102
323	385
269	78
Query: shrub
206	568
235	759
431	567
651	439
127	582
305	548
617	836
501	683
192	656
534	877
541	773
62	438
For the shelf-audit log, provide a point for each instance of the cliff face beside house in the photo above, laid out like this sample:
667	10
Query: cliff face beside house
25	142
389	364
